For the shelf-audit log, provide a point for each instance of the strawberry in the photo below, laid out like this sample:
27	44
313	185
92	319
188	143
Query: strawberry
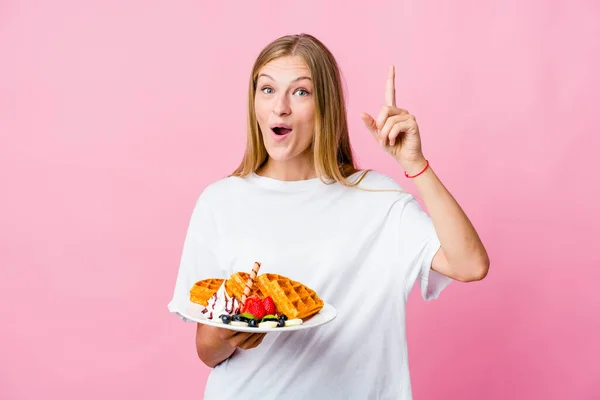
269	306
257	309
249	301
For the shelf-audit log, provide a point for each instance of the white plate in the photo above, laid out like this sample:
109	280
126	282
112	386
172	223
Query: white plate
327	314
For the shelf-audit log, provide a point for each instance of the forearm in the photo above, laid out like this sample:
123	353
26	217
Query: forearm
462	246
212	350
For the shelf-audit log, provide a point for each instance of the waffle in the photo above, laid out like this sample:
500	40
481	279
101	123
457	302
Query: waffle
237	282
290	297
203	290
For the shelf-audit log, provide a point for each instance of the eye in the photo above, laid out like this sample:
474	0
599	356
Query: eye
302	92
267	90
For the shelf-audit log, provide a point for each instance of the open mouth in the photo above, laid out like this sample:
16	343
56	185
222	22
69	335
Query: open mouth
280	131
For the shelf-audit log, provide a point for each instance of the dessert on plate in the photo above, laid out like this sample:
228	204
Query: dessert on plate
248	299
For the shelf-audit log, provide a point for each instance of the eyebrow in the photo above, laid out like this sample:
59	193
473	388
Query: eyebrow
297	79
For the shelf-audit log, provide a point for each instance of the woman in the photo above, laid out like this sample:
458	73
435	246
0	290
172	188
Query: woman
298	204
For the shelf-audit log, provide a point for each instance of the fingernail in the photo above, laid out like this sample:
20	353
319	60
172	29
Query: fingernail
392	142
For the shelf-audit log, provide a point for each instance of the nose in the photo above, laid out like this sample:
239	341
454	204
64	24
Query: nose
282	106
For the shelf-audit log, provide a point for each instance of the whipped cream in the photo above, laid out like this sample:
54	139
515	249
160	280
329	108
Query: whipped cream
221	303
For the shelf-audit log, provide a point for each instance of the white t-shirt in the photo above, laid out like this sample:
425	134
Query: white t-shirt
361	251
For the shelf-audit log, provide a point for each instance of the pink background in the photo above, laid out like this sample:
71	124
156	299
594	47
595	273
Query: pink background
113	117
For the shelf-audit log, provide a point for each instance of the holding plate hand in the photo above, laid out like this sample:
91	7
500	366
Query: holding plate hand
397	131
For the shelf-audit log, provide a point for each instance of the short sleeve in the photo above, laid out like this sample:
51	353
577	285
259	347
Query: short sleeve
418	245
198	259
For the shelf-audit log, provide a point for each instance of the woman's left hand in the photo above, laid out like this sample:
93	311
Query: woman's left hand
397	131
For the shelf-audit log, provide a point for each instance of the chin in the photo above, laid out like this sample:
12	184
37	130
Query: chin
279	154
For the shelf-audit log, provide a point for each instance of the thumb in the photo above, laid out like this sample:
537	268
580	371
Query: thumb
370	123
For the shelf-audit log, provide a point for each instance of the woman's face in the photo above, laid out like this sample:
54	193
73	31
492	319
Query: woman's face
285	108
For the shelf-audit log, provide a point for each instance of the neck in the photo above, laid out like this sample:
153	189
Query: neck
288	170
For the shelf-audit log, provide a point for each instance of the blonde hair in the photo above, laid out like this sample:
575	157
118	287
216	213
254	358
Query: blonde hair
331	148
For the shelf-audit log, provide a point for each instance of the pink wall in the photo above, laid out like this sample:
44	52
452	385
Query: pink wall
114	117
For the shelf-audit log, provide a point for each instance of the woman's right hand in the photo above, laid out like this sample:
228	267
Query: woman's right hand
215	345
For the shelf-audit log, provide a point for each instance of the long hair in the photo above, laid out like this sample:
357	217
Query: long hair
331	148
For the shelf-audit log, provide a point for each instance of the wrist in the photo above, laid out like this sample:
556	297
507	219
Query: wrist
415	168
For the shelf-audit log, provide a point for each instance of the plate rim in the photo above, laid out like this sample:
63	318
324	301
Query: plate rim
246	329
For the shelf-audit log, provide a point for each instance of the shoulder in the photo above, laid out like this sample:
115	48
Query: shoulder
216	192
374	180
381	188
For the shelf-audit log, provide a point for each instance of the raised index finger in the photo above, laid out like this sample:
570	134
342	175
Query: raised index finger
390	87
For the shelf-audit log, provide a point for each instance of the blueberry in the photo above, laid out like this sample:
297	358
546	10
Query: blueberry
283	317
280	323
238	317
226	319
253	323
